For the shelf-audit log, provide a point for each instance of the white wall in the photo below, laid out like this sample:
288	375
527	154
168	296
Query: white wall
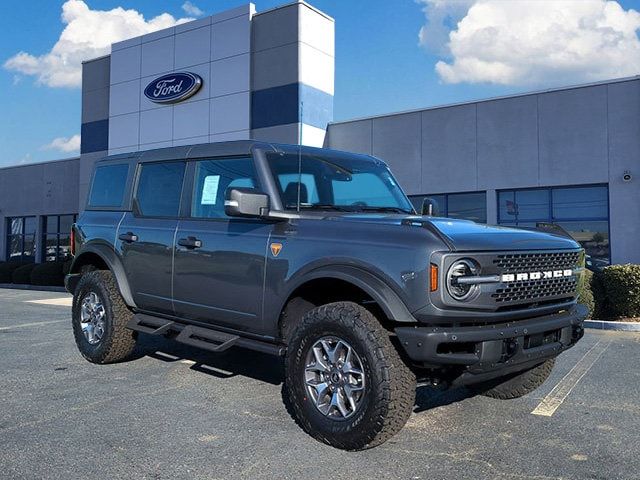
218	49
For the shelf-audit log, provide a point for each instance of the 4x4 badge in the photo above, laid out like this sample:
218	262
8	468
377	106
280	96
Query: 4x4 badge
276	248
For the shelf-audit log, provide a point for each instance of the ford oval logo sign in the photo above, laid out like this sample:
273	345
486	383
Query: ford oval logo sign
173	88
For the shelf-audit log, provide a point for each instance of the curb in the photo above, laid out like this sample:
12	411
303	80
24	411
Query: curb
618	326
37	288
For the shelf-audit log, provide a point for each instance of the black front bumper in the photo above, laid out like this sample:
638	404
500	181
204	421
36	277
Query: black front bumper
489	351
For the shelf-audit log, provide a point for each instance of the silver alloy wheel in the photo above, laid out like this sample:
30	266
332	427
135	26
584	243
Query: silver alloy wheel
334	378
92	318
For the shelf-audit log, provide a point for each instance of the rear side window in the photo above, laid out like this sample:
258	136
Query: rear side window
108	187
213	178
159	189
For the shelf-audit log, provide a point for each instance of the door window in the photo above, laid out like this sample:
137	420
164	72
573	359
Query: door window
213	178
159	189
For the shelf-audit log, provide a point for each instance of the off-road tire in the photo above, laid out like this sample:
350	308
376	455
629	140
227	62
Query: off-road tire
389	398
517	385
118	342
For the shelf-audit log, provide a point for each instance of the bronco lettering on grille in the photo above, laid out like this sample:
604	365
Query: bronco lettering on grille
543	275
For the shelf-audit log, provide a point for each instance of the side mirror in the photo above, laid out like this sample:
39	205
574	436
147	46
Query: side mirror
430	207
246	202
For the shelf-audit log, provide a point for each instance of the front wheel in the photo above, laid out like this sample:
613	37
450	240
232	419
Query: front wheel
346	384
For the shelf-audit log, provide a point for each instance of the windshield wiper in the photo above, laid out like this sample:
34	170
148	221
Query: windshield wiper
385	209
321	206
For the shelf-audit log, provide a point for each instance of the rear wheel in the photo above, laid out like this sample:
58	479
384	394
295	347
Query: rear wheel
345	382
516	386
99	319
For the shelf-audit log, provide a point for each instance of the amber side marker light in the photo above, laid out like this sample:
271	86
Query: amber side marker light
433	284
72	242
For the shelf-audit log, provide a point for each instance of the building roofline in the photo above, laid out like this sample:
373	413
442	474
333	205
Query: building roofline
490	99
96	58
45	162
297	2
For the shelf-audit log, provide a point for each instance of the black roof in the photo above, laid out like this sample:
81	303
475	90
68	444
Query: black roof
208	150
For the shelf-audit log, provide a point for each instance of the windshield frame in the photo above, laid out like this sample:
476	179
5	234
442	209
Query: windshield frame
340	161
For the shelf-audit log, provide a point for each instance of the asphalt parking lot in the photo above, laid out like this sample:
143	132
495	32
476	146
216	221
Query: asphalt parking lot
178	413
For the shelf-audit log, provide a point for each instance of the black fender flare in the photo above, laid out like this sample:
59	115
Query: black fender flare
390	302
113	262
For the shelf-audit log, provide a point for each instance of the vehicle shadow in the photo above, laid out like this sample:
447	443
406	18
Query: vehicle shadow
228	364
265	368
428	398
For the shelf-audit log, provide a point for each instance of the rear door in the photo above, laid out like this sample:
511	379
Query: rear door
220	261
146	235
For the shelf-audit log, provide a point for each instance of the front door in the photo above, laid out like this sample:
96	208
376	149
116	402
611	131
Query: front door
145	237
220	261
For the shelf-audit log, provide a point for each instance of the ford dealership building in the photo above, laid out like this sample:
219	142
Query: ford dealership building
568	156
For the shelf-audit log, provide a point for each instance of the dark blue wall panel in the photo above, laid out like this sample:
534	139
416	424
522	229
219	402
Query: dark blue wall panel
94	136
282	106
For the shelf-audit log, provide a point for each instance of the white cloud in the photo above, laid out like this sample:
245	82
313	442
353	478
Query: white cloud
442	16
190	9
87	34
64	144
535	42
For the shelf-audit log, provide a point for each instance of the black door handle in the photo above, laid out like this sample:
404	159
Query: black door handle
190	242
128	237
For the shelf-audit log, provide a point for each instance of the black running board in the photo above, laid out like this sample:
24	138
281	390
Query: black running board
211	340
149	324
206	338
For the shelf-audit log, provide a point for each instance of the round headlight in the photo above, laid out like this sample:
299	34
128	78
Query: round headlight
462	269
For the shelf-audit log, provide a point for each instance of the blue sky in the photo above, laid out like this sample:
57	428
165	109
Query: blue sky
381	66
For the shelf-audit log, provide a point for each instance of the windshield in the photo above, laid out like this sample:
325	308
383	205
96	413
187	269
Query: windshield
336	182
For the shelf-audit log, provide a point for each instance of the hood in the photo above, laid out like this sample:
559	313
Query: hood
465	235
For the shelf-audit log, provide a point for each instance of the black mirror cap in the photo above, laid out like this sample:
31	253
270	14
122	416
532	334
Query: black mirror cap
246	202
430	207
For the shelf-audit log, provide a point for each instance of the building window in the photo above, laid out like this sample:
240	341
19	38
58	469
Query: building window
21	235
56	231
467	206
582	211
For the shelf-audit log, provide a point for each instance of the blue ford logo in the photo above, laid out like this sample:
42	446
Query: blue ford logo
173	88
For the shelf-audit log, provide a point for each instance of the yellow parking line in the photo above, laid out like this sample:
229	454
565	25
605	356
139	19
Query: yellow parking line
64	301
561	391
34	324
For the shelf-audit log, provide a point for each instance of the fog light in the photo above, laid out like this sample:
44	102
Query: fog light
456	286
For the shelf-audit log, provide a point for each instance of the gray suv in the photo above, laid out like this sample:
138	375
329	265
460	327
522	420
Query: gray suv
318	256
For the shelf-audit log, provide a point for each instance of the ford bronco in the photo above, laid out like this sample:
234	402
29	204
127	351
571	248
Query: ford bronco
319	257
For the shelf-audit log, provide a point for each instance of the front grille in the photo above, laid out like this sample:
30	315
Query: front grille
533	262
536	291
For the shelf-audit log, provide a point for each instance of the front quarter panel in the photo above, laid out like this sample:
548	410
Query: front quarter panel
392	261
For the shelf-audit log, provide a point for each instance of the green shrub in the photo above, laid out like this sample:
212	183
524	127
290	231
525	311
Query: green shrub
6	271
622	287
602	310
585	292
48	274
22	274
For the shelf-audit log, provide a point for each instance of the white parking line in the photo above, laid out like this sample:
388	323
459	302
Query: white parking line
64	301
34	324
561	391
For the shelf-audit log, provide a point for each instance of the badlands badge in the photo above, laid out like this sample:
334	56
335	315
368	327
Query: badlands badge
276	248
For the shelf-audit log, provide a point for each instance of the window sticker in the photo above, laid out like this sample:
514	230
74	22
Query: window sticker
210	190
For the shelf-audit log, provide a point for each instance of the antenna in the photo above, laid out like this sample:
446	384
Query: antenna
300	156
